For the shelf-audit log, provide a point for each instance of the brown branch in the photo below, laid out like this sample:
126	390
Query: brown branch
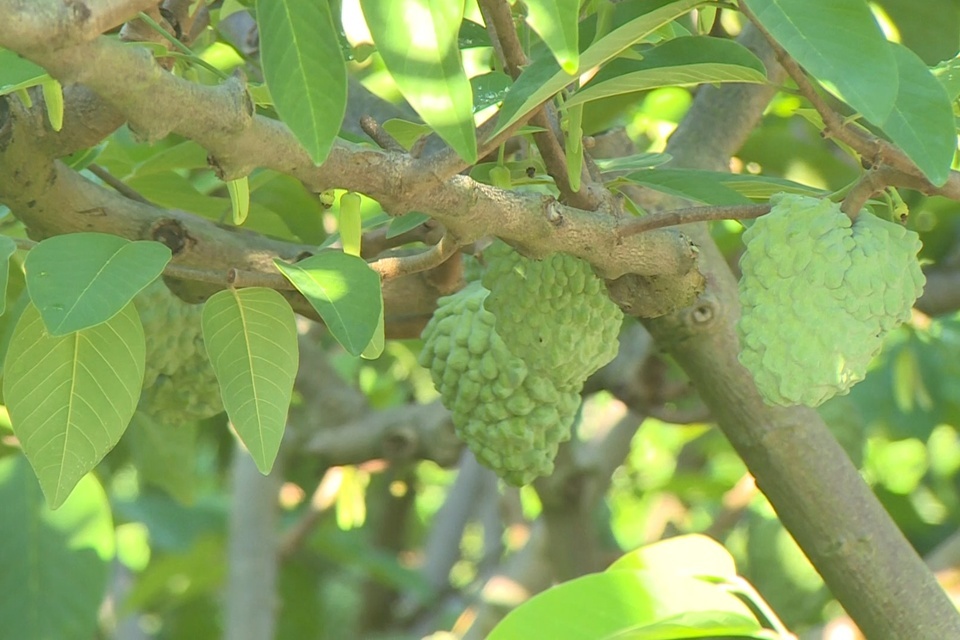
499	18
689	215
379	135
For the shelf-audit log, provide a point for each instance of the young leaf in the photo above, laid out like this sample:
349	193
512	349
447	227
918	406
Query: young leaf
350	223
838	41
304	70
678	62
417	40
251	339
628	604
691	555
344	290
79	280
239	190
374	348
406	222
53	99
543	78
556	22
70	398
921	122
64	556
7	247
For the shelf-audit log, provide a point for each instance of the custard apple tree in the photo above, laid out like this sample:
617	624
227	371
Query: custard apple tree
478	318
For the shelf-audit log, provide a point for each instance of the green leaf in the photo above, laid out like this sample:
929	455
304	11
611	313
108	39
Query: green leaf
544	78
638	605
304	70
239	190
53	99
344	290
79	280
574	146
251	338
70	398
7	247
417	40
406	222
374	348
679	62
489	89
56	564
837	41
691	555
714	187
406	132
18	73
556	22
350	223
921	122
164	455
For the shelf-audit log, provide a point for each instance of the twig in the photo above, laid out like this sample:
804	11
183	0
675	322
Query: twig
116	183
436	255
497	15
379	135
688	215
871	182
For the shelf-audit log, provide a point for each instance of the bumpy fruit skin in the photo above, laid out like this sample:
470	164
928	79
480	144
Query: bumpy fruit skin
179	384
554	313
818	294
512	418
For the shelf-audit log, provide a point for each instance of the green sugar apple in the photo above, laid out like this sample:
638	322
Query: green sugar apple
554	313
818	294
179	384
512	417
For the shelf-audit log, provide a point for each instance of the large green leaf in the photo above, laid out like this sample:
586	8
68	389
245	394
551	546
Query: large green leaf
417	40
678	62
304	69
344	290
71	397
251	338
692	555
79	280
543	78
555	21
56	564
921	122
837	41
18	73
638	605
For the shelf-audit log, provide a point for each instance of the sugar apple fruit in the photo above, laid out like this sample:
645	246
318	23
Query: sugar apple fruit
179	384
554	313
510	360
818	294
510	416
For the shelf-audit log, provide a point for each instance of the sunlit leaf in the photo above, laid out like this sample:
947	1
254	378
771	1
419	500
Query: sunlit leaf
417	40
344	290
71	397
543	78
692	555
555	21
79	280
639	605
53	100
251	338
303	67
350	223
239	190
838	41
679	62
921	122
